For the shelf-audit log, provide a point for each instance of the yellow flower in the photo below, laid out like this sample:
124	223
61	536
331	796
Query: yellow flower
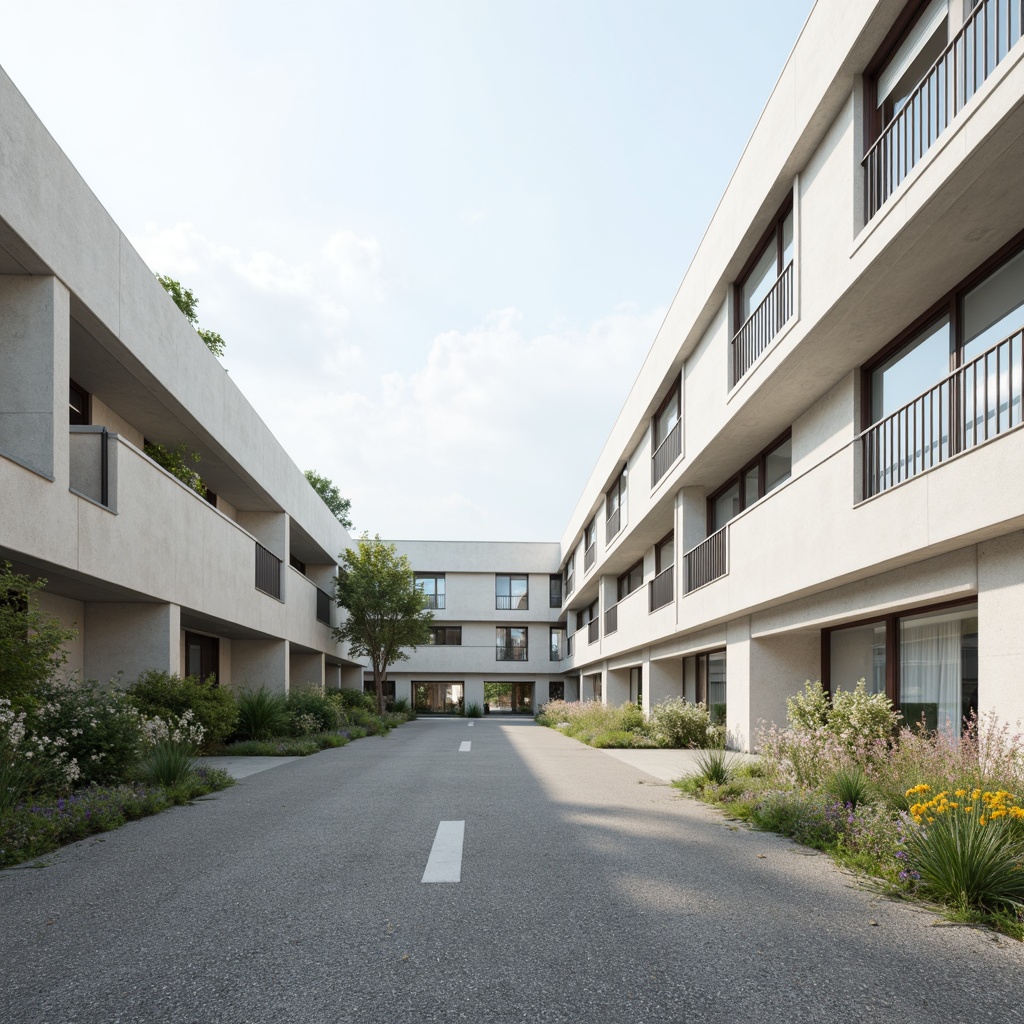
960	792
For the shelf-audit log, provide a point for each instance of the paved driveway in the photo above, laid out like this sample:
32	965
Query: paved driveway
588	892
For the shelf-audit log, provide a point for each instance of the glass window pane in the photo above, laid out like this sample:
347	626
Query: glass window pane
759	282
911	371
751	486
716	687
787	240
858	653
778	465
726	507
994	309
908	65
938	657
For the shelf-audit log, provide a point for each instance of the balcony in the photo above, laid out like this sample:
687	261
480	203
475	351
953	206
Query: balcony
763	325
513	602
593	631
588	557
659	590
985	39
972	405
93	458
323	607
708	561
511	652
613	524
611	619
268	571
668	451
570	585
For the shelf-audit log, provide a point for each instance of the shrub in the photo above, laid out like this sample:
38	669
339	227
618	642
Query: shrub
31	762
677	723
621	738
966	852
31	641
849	786
162	694
473	711
356	699
808	710
166	763
102	730
321	713
282	746
813	819
262	714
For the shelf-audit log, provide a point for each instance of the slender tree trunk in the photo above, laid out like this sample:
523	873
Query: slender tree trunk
379	672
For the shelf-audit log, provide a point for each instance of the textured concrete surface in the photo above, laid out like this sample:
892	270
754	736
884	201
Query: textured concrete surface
590	892
668	765
243	767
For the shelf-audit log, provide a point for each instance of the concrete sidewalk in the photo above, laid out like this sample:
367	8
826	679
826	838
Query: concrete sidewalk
669	765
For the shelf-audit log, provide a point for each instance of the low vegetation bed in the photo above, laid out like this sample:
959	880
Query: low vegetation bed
919	815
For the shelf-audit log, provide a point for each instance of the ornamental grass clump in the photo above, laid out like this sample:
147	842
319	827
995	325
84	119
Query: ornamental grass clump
965	848
262	714
167	763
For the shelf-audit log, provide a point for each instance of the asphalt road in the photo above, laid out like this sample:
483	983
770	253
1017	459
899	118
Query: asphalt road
589	892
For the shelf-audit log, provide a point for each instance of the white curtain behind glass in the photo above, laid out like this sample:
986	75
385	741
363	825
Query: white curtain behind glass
930	669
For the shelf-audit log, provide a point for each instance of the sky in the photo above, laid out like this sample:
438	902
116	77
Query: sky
438	236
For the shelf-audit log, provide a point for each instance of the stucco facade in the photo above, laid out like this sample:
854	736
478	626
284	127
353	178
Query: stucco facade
152	574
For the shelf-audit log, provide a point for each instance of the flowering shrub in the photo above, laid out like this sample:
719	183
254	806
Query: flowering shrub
101	730
31	761
166	696
678	723
319	712
589	721
966	852
184	730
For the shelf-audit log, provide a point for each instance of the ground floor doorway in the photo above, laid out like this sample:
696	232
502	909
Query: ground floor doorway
508	698
438	698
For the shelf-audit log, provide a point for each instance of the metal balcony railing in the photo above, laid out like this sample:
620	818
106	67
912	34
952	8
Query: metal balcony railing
611	619
659	590
708	561
568	646
593	631
511	652
614	523
985	39
90	464
980	400
434	601
588	556
323	607
514	602
763	324
570	585
668	451
268	571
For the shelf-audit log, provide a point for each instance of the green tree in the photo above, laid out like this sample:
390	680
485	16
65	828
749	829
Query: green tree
332	498
176	462
32	641
377	588
185	300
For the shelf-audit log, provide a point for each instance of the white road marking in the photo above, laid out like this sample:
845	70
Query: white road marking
464	747
445	861
471	725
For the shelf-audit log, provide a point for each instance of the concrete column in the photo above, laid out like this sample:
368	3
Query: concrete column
332	677
1000	637
616	686
692	520
352	677
474	692
257	663
306	668
131	639
738	684
35	324
780	667
271	530
662	679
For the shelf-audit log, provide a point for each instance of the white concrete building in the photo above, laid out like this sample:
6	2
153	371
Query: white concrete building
97	359
817	473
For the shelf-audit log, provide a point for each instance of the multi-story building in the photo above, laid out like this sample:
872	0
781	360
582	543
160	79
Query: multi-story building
97	361
496	638
818	472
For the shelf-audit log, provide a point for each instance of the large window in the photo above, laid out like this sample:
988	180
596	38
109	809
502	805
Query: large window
446	636
711	685
432	586
557	649
202	655
770	469
636	685
570	575
78	405
615	501
511	643
666	433
511	593
555	591
632	579
589	544
662	588
950	381
926	662
764	293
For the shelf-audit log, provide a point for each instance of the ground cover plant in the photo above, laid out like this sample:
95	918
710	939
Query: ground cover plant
923	815
672	723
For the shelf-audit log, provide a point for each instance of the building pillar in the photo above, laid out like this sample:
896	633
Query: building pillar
663	679
131	639
256	663
1000	637
306	669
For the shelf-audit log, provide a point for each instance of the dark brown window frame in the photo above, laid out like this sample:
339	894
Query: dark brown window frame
740	478
701	673
86	413
951	305
555	580
434	630
892	641
775	231
209	653
435	576
510	576
624	578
